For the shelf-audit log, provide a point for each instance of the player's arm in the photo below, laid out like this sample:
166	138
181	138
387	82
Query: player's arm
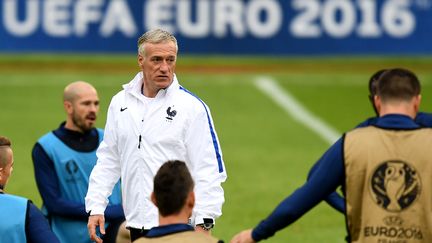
49	189
104	176
106	172
37	228
334	199
206	163
327	178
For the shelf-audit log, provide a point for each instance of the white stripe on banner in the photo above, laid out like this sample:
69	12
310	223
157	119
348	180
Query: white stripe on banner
294	108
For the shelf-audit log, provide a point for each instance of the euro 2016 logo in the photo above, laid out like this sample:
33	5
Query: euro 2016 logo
395	185
72	169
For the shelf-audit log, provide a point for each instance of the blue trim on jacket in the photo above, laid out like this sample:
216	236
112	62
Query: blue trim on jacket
215	143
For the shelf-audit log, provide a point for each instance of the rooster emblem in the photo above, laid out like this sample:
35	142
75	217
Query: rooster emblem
171	113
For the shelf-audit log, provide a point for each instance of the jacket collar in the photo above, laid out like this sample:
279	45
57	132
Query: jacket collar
168	229
134	87
396	121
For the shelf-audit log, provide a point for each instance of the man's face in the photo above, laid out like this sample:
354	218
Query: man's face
6	171
158	66
84	110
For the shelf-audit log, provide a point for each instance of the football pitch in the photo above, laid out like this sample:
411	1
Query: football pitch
268	148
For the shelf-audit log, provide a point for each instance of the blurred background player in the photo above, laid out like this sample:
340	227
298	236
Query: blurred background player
20	220
174	197
63	160
385	170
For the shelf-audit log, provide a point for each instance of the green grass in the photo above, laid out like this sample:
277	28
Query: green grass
267	153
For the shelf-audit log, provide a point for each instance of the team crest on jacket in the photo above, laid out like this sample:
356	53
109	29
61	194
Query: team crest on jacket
395	185
171	113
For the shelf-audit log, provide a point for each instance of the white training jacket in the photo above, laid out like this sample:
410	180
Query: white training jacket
175	125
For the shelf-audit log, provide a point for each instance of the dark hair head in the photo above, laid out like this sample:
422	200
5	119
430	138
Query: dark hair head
398	85
4	141
373	84
172	184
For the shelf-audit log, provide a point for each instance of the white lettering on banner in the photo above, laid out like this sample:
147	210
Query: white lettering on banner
158	13
397	19
345	25
274	18
317	18
228	13
57	18
86	12
11	22
310	19
303	25
220	18
368	27
201	27
118	17
63	18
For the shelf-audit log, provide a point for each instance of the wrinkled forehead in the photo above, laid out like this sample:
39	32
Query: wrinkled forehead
166	48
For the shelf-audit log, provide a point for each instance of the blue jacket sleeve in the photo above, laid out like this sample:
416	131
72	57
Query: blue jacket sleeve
48	185
49	189
334	199
37	228
327	177
114	213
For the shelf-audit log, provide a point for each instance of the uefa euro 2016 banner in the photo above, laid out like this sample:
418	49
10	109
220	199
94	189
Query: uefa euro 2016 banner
221	26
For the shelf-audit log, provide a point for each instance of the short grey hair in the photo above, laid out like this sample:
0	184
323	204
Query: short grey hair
155	36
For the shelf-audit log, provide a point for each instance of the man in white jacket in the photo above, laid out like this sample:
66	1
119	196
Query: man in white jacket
153	120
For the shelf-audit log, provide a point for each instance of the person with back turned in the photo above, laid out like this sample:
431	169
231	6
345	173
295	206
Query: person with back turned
174	197
384	170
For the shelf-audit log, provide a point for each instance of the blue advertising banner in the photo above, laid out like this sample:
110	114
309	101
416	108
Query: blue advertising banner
276	27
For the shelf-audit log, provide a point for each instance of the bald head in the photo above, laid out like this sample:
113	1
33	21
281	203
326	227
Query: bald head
81	103
73	90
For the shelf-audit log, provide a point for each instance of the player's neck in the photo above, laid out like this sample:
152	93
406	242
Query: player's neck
402	110
180	218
